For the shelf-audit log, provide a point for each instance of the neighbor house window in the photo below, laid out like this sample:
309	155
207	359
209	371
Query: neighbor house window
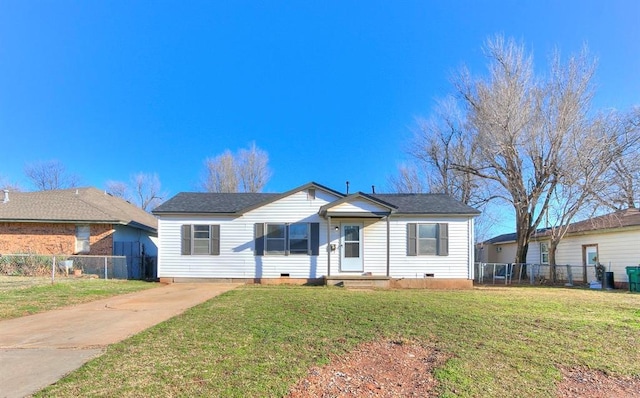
83	232
285	239
544	253
201	239
427	239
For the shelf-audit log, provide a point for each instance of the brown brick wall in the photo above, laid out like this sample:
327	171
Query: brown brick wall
50	238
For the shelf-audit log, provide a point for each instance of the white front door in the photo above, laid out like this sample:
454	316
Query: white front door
590	259
351	247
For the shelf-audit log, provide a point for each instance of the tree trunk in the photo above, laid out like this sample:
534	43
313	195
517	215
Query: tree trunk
552	260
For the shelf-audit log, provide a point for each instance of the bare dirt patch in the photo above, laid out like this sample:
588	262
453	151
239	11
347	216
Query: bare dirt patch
376	369
579	382
400	369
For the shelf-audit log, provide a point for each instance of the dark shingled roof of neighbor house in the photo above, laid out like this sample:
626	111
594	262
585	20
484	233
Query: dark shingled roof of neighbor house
77	205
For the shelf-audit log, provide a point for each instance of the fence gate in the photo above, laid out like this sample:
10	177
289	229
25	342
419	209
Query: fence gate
134	257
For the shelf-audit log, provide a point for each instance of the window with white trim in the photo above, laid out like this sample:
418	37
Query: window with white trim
299	238
83	234
275	238
287	239
427	239
201	239
544	253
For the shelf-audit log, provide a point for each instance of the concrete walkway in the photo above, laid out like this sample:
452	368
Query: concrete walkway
37	350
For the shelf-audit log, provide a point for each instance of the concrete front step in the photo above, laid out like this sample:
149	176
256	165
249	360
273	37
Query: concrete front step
359	282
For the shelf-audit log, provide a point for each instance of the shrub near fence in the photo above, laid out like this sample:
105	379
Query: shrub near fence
105	267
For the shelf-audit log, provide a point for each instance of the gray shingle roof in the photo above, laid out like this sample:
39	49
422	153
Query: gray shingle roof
79	205
235	203
206	202
425	203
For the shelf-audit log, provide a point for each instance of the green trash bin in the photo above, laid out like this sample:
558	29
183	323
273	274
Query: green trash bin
634	278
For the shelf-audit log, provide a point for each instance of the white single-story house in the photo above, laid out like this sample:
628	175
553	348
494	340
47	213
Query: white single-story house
612	240
315	234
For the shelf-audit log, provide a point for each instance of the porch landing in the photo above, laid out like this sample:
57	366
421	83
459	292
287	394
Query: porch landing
359	281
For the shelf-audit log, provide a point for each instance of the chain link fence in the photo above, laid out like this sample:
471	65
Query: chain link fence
103	267
532	274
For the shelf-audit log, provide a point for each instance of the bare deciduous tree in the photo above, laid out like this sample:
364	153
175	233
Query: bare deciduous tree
518	138
624	174
221	174
8	185
253	169
144	190
50	175
247	171
589	154
408	180
118	189
438	144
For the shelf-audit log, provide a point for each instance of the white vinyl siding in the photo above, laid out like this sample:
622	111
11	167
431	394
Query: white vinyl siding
237	259
458	262
616	251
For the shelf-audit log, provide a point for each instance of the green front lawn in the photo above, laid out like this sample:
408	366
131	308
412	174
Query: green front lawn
257	341
20	296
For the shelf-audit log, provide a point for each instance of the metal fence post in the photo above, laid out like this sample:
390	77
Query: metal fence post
53	269
105	268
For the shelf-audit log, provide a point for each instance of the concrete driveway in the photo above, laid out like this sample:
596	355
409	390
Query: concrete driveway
37	350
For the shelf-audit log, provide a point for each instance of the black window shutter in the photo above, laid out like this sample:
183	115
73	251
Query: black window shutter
412	239
215	239
186	239
259	239
443	239
315	239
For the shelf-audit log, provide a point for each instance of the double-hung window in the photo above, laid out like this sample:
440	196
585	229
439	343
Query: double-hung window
299	238
287	239
276	238
201	239
83	235
544	253
427	239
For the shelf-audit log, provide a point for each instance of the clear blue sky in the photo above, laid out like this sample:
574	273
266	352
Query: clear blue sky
330	89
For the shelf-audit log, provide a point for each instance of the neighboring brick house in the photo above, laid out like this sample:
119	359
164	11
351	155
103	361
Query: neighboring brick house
73	221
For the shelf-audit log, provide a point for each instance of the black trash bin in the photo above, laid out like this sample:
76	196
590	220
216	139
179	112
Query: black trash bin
608	281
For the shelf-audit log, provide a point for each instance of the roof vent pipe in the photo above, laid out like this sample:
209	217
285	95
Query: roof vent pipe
373	189
347	187
6	196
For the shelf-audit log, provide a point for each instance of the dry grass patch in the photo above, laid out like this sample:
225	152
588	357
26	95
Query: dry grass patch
20	296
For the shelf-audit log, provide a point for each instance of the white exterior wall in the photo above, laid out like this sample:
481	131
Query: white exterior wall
357	206
236	257
506	253
237	260
458	264
616	251
374	241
